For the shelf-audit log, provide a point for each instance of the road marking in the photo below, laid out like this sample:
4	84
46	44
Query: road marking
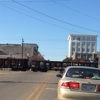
30	96
51	88
38	95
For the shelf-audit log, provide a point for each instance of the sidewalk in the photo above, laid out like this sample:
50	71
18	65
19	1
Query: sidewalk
4	71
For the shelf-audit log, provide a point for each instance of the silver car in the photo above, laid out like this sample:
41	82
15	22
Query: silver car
79	83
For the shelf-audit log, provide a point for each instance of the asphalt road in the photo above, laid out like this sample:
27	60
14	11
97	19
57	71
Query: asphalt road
29	85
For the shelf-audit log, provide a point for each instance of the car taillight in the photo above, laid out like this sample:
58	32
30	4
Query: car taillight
65	84
74	85
99	88
71	85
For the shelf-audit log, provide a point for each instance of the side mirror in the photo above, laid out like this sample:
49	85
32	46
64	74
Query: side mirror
59	75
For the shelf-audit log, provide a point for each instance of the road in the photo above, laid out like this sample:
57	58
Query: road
28	85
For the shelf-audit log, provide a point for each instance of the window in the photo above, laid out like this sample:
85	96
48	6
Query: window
78	38
92	49
93	44
72	53
93	38
78	44
83	50
83	38
88	44
73	43
88	38
73	49
78	56
74	38
83	56
78	49
89	57
88	50
83	73
83	44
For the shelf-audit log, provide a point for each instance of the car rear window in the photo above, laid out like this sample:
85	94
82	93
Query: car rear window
83	73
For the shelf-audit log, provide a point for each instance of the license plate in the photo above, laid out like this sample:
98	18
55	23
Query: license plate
88	87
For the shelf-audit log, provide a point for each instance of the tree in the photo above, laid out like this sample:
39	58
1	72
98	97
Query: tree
67	59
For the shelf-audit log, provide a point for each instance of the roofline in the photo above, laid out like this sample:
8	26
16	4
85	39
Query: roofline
88	35
17	43
31	43
83	35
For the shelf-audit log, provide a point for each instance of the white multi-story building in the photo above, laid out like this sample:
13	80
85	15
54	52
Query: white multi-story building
82	44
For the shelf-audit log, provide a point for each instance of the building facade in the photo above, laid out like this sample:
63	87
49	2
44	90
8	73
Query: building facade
18	50
82	46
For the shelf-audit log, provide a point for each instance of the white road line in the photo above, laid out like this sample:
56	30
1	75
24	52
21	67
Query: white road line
51	88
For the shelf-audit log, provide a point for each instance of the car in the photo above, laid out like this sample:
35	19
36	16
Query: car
79	83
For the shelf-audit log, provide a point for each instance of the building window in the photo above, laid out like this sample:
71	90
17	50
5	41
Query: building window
89	57
88	44
92	49
78	44
73	53
83	44
74	38
84	56
78	38
93	44
73	49
88	50
73	43
78	49
88	38
83	38
93	39
83	50
78	56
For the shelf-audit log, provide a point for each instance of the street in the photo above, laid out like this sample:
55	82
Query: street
28	85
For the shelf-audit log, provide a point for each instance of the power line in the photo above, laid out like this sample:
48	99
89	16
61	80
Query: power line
61	5
56	1
55	18
76	11
34	0
40	39
40	19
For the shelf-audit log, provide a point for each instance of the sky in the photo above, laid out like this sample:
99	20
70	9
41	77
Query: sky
48	23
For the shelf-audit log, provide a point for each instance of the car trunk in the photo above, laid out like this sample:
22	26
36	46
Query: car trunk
85	85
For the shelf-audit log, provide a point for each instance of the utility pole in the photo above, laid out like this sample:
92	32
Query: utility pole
22	47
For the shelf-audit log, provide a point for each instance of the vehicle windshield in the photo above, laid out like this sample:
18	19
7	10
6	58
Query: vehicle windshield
83	73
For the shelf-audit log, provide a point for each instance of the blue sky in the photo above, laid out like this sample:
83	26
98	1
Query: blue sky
48	23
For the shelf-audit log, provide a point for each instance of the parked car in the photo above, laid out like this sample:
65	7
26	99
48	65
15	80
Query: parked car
79	83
